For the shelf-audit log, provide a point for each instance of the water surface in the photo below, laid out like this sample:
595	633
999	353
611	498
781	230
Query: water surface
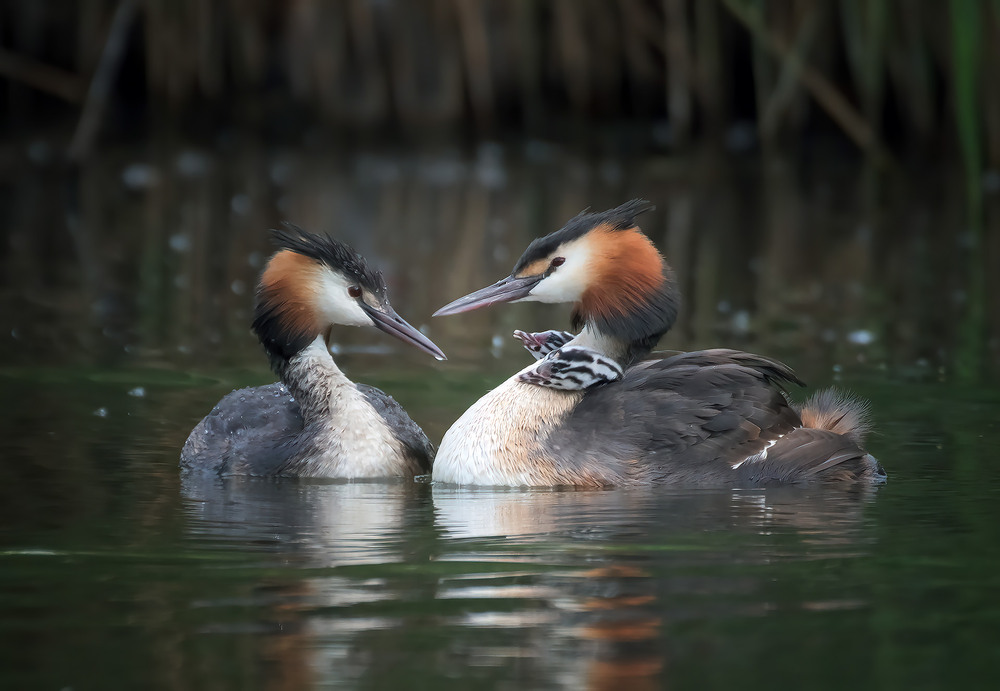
126	293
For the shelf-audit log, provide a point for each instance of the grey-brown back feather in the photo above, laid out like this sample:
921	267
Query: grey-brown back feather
250	431
684	419
808	454
689	418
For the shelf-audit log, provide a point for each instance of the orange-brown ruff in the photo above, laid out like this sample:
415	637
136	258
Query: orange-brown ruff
627	270
288	287
706	418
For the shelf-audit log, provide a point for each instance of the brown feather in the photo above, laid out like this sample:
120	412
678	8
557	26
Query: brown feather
289	283
807	454
836	412
687	418
534	268
628	269
285	315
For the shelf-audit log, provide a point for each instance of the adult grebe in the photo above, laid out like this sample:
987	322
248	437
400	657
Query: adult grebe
591	412
315	422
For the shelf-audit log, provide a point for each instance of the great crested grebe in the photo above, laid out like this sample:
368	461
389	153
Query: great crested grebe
315	422
591	412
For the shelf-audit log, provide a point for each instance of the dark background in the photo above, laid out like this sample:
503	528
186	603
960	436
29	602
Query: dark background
901	78
827	182
104	103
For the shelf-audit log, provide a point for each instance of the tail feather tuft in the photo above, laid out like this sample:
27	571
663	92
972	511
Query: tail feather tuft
838	412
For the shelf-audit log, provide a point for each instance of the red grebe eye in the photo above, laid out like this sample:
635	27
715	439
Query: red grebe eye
354	291
558	261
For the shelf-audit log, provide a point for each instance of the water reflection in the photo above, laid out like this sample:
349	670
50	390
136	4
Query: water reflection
124	277
566	589
319	525
604	577
827	514
311	617
587	620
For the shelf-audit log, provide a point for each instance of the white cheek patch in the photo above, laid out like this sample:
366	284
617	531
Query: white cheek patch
334	305
569	281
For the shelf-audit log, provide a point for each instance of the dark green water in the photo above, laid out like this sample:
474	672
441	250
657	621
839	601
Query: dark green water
125	310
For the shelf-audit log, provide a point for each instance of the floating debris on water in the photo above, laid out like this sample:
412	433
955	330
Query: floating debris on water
496	345
39	152
991	181
192	164
140	176
741	322
240	204
861	337
180	242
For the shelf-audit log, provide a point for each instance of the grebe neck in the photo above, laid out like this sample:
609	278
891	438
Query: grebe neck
628	329
593	338
314	379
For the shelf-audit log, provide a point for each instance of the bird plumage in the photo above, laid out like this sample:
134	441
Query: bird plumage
315	422
291	309
713	417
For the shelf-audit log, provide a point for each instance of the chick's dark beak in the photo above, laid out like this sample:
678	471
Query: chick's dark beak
505	290
387	320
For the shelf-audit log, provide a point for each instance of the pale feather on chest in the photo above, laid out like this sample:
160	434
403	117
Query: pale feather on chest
499	440
354	443
349	439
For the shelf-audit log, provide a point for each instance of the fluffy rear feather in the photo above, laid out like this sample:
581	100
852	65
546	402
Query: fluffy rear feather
835	411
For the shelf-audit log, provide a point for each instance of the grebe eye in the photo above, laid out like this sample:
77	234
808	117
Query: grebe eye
354	291
558	261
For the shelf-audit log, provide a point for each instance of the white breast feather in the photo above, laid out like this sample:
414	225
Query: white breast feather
494	441
355	441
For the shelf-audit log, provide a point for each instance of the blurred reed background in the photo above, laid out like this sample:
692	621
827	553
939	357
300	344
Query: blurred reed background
895	75
818	164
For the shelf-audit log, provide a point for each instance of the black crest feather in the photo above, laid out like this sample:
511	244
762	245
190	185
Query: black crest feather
619	218
276	334
337	255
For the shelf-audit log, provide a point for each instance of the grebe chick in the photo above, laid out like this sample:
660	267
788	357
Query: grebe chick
592	412
315	422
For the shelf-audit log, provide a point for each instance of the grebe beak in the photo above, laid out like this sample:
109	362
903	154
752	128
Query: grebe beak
507	289
395	325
